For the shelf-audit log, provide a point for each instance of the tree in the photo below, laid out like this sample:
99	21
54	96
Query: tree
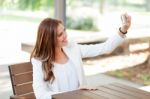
35	4
147	3
2	2
148	59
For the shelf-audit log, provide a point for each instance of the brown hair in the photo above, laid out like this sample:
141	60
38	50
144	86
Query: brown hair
44	49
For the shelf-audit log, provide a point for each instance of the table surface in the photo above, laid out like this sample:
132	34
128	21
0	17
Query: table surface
109	91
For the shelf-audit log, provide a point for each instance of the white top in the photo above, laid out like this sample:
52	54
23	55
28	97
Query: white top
75	53
66	76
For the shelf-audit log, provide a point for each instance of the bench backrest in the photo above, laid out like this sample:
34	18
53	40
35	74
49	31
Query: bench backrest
21	79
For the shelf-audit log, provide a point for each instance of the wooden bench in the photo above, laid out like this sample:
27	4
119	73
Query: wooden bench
108	91
21	79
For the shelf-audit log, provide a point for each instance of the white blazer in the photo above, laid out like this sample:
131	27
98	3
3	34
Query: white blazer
75	52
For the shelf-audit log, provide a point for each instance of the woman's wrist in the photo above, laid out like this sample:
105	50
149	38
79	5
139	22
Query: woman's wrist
121	34
123	31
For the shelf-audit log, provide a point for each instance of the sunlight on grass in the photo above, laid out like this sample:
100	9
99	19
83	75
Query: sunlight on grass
117	73
146	79
11	17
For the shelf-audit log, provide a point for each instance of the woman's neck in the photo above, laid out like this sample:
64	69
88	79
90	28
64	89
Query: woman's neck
60	56
58	50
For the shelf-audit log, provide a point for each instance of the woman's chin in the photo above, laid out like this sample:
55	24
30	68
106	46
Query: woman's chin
65	43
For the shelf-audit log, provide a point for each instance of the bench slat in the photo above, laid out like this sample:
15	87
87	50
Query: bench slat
20	68
23	89
22	78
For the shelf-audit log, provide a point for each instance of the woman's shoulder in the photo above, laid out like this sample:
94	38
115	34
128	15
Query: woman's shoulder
35	61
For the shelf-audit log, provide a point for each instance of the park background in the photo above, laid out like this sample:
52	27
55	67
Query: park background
87	22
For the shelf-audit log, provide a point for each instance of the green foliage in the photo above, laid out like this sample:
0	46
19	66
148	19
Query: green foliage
146	79
35	4
2	2
23	4
29	4
81	24
47	4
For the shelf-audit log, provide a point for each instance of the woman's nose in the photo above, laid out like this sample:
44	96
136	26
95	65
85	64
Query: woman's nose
65	34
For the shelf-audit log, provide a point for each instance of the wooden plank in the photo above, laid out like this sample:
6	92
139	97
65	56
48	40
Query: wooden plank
106	94
110	91
70	95
22	78
23	89
20	68
79	94
117	93
132	89
27	96
128	92
138	40
90	94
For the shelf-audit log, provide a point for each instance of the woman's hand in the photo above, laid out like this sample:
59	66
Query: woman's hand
126	22
87	88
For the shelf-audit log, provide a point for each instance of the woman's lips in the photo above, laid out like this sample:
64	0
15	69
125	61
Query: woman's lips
65	40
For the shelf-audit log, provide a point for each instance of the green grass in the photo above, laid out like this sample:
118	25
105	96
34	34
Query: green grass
9	17
117	73
12	16
146	79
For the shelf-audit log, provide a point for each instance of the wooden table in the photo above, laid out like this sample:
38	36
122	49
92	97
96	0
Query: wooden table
110	91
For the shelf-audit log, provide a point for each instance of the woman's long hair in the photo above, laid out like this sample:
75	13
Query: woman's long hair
44	49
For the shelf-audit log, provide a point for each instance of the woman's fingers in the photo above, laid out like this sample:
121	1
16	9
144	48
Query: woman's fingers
88	88
126	21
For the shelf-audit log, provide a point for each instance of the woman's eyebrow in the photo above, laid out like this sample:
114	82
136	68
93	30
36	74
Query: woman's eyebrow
61	32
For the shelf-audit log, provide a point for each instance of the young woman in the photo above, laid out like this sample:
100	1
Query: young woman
57	62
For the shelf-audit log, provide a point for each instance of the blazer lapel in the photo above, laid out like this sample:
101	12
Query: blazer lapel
77	63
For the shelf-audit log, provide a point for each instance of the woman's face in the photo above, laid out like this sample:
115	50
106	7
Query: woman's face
61	36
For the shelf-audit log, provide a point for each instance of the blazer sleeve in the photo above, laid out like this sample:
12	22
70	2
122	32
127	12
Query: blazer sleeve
40	87
102	48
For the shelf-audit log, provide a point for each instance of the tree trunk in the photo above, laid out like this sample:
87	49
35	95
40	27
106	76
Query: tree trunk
102	6
148	60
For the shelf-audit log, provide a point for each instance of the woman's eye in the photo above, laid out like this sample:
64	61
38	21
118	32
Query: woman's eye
60	34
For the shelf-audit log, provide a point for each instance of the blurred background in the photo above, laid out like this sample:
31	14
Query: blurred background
87	22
